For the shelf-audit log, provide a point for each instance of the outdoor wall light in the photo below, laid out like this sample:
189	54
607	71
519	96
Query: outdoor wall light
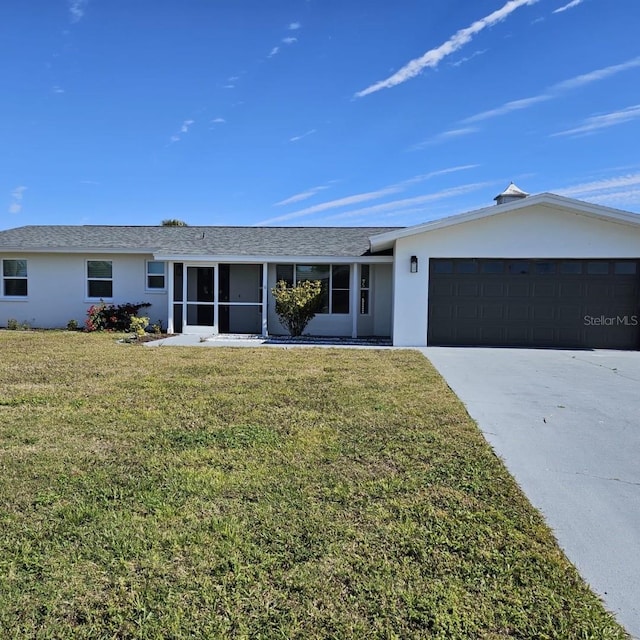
414	264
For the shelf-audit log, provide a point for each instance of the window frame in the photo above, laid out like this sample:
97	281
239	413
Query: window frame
89	279
148	274
330	267
24	278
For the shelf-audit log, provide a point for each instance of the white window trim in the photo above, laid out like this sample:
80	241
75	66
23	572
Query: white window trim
152	290
13	298
88	298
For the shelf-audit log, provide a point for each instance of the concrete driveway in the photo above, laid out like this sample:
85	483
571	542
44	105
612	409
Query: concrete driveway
567	425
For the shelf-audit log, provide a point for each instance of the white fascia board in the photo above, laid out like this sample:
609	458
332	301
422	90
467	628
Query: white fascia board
272	259
387	240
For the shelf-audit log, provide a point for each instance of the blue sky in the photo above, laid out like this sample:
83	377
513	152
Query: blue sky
312	112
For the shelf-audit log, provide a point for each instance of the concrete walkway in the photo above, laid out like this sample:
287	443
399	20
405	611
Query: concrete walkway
567	425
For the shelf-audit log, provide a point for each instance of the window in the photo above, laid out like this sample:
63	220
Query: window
156	275
14	278
466	266
545	268
441	266
571	267
364	289
493	266
625	268
334	279
598	268
340	288
518	267
99	279
285	272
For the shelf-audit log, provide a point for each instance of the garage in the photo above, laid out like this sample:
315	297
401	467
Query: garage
588	303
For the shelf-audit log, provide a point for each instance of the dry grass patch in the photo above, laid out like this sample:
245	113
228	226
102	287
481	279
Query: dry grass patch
267	493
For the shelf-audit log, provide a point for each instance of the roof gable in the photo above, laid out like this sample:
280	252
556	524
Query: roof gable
387	240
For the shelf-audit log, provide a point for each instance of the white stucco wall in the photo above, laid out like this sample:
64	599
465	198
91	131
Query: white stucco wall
535	232
57	289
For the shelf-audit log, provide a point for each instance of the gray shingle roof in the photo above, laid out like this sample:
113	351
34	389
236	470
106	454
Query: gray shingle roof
225	241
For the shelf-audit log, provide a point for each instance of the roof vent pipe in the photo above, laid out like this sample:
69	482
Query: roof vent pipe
510	194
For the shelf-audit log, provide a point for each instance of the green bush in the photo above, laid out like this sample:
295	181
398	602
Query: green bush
138	325
13	324
110	317
297	306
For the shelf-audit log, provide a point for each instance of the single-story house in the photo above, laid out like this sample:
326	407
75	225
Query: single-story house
541	270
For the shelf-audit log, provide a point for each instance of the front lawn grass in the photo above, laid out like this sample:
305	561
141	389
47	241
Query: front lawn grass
261	493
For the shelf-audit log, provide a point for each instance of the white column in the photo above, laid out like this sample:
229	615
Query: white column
353	299
170	297
265	296
216	281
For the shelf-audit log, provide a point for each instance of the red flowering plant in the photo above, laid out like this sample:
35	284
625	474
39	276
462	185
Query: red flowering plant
110	317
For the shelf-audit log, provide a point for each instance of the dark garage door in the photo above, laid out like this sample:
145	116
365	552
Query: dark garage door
534	303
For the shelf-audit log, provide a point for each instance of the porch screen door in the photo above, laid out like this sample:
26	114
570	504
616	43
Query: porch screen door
200	289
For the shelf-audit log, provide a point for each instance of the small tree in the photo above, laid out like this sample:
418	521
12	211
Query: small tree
174	223
297	306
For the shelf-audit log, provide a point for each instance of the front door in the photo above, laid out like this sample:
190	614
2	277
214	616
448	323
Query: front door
200	302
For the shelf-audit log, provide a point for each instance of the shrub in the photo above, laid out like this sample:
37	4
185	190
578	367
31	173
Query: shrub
110	317
156	327
72	325
14	325
138	325
297	306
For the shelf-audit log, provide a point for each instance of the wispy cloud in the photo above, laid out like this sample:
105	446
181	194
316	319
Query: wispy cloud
289	40
445	136
570	5
433	57
304	135
434	174
364	197
604	121
398	207
508	107
555	90
475	54
588	189
294	26
596	75
77	9
57	89
334	204
299	197
218	121
15	205
627	198
184	128
273	52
